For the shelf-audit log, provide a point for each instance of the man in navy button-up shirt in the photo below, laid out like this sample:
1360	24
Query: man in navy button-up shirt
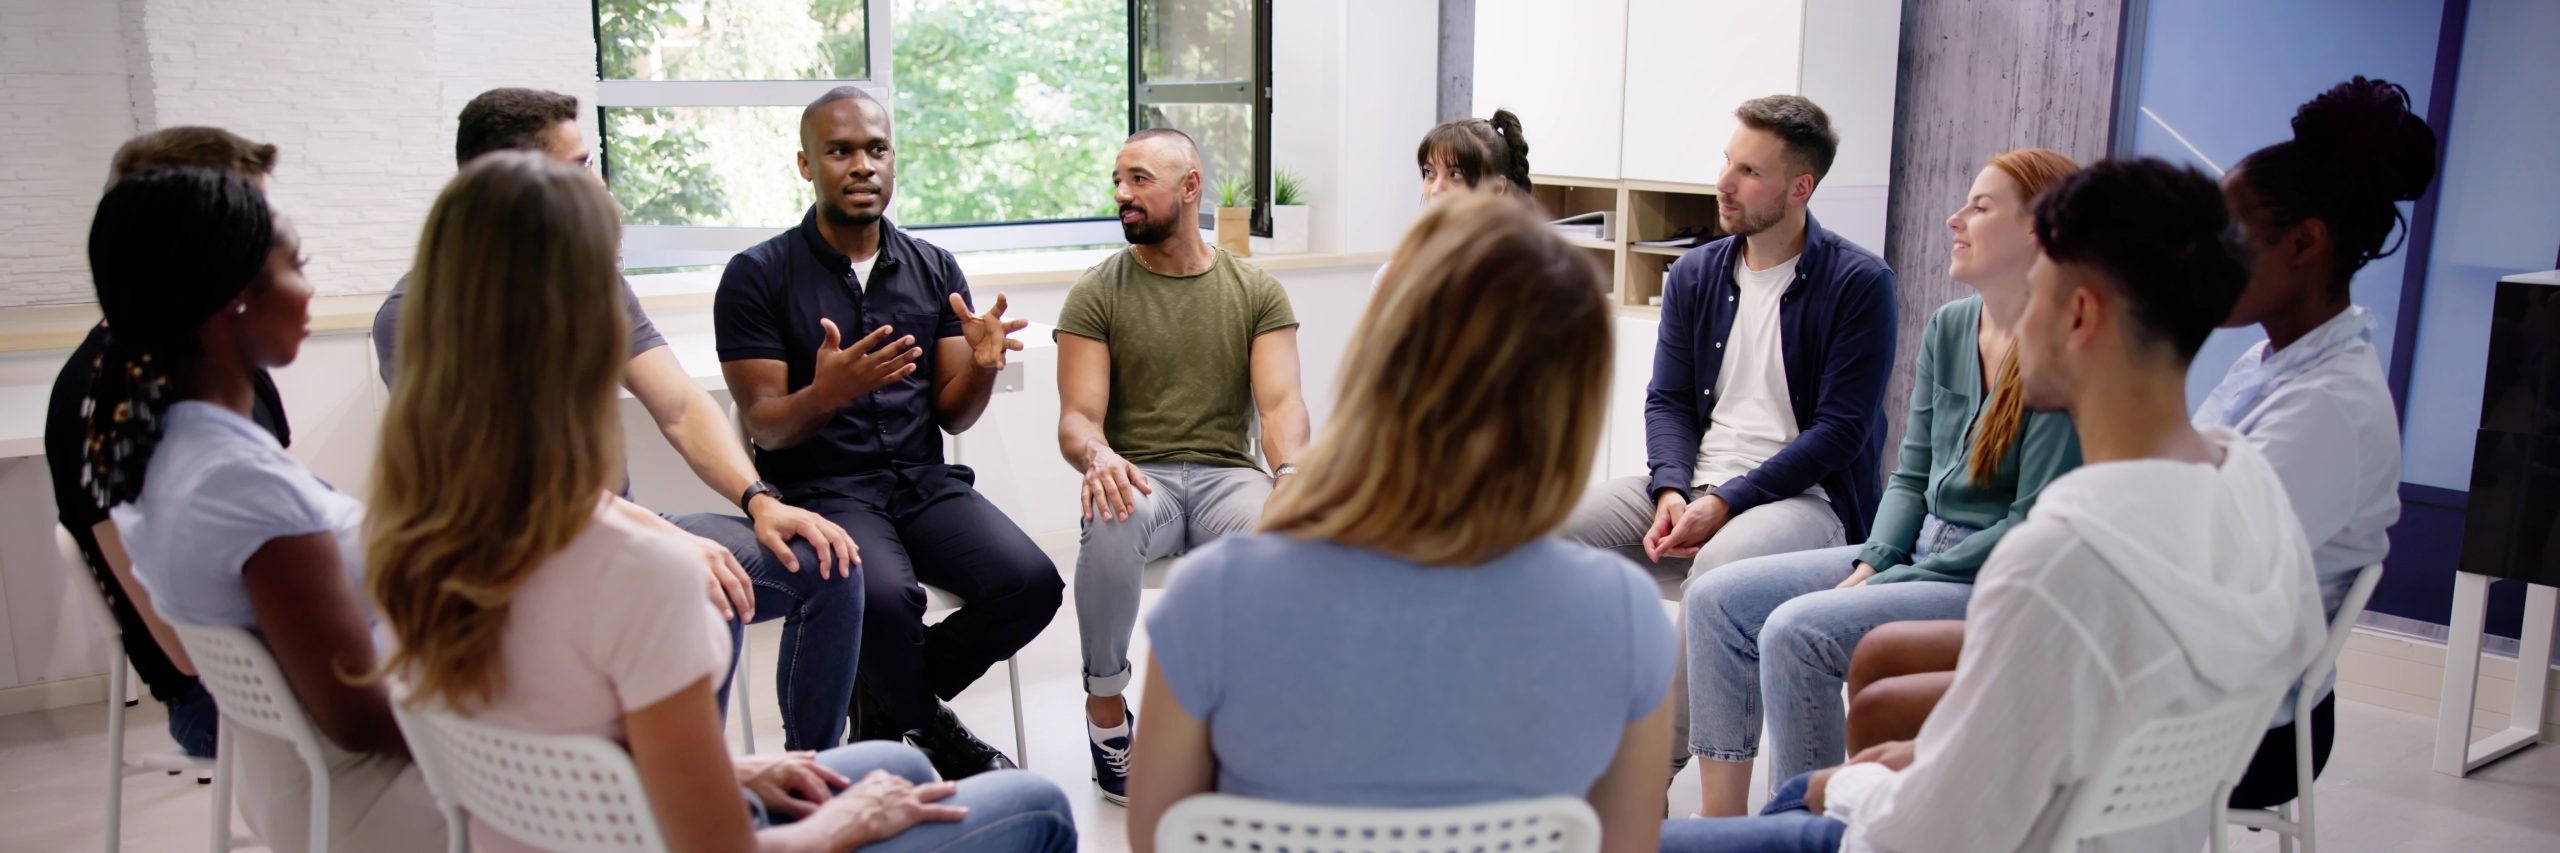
850	347
1763	423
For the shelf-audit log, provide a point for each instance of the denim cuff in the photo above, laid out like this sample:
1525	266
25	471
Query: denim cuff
1108	685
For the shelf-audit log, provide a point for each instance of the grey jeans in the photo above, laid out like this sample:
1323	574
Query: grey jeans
1192	505
1615	515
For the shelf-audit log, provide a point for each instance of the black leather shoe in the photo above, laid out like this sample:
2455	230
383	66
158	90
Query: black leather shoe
956	754
869	722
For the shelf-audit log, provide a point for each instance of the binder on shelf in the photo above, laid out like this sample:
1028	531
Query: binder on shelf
1589	226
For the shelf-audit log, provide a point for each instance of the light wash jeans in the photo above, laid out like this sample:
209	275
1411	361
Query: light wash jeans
1010	811
1615	516
1192	505
1772	633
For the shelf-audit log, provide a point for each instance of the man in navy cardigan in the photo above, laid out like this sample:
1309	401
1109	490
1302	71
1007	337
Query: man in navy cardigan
1763	426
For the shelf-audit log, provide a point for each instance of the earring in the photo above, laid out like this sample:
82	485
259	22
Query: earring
242	308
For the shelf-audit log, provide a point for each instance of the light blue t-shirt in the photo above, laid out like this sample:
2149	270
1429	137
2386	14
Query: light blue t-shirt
1334	675
219	487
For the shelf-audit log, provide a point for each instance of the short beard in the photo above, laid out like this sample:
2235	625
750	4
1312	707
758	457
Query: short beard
1147	231
837	216
1745	225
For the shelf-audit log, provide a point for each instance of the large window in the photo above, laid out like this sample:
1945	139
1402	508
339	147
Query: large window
1008	112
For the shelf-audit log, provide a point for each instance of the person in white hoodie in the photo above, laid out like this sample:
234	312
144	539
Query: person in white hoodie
2166	576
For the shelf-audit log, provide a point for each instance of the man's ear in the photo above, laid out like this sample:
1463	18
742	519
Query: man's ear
1801	188
1191	185
802	157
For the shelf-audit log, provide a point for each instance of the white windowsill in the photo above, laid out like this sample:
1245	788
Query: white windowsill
51	327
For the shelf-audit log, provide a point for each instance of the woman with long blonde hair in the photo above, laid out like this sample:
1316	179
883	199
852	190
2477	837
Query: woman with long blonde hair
517	595
1772	636
1403	631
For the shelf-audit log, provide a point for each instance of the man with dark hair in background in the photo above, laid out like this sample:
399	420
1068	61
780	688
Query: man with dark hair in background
149	645
809	582
854	430
1763	424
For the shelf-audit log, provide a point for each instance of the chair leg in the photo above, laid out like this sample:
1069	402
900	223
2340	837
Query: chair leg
457	832
115	752
738	682
2221	819
222	750
2303	773
1021	743
319	770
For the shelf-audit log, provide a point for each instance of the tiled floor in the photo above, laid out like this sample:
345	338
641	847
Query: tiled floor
2377	795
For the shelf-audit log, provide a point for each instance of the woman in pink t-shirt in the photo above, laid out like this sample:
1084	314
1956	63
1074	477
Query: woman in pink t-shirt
516	596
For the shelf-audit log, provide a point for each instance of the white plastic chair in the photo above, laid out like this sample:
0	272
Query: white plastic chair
2293	820
936	601
2165	770
569	793
119	695
1226	823
252	692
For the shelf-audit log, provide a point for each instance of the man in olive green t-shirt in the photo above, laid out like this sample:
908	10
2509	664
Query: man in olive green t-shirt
1166	354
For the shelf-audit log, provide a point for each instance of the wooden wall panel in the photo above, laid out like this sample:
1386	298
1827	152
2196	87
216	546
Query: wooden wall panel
1979	77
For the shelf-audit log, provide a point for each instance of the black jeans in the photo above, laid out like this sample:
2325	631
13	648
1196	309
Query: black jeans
940	532
2270	780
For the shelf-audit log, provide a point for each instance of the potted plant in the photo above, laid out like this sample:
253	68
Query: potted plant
1288	214
1235	216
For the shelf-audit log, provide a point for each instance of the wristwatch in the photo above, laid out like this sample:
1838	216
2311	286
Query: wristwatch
758	487
1285	469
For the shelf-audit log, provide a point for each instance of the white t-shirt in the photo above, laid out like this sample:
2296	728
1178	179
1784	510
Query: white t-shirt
862	271
1753	419
218	489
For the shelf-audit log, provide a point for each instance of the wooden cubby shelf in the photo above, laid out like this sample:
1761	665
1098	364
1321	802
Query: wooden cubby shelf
1639	210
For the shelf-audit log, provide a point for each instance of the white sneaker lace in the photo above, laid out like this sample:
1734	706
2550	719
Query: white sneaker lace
1116	759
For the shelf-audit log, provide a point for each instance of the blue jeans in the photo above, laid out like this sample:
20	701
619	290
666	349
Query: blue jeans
821	629
1009	810
1784	826
193	720
1772	633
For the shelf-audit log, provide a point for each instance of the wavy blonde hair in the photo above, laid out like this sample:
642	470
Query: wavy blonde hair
501	434
2033	170
1472	394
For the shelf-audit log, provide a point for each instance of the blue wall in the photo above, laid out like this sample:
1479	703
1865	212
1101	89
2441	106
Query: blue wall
2498	214
2229	75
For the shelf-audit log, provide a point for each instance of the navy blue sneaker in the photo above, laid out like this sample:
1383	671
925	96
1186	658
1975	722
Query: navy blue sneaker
1111	759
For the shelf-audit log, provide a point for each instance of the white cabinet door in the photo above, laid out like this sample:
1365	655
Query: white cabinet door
1689	63
1632	354
1561	69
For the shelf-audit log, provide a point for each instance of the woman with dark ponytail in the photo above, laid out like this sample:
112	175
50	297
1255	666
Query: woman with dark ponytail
2313	210
1474	153
225	528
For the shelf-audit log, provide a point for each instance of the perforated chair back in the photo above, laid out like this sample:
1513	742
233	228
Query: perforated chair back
252	694
1225	823
2166	770
570	793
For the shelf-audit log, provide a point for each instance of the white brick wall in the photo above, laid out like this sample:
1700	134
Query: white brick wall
64	107
359	94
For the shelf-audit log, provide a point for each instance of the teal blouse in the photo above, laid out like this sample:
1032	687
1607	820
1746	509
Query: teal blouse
1947	398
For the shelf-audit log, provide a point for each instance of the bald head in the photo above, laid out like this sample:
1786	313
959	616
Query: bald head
1171	149
1156	183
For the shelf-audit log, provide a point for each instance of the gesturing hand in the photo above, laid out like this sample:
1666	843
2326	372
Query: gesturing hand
989	334
1111	486
866	366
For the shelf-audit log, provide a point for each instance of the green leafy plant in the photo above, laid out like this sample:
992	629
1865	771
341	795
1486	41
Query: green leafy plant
1286	189
1233	192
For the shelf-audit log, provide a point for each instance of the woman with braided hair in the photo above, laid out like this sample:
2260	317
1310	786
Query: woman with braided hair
225	528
